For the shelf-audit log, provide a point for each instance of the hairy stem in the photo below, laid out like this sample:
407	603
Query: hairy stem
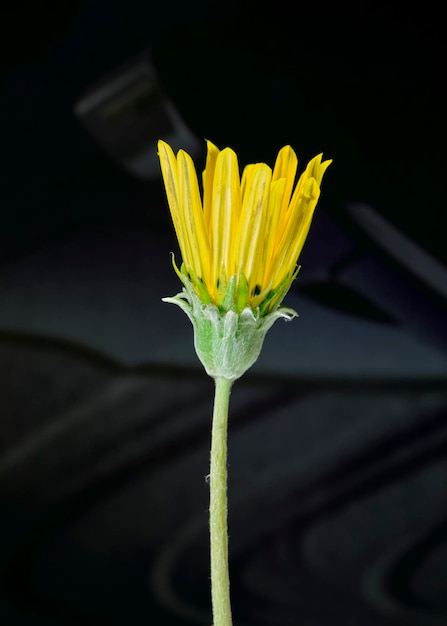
220	581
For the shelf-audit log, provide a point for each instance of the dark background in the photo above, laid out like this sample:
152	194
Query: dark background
338	435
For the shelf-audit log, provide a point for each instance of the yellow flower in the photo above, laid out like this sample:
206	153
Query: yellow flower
241	243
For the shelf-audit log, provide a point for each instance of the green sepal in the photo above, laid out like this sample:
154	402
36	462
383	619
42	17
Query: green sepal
198	284
180	272
274	298
226	342
229	301
242	293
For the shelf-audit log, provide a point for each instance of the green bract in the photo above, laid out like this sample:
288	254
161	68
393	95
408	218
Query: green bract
226	342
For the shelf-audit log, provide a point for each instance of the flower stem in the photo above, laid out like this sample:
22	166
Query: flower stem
220	581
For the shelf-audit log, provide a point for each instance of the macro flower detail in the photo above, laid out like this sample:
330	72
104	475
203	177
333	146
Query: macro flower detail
240	241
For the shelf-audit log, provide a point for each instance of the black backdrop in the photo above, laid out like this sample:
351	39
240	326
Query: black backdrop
337	473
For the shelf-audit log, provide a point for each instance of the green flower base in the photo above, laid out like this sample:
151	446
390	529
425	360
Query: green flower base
226	342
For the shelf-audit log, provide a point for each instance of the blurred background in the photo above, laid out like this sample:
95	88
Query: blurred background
338	435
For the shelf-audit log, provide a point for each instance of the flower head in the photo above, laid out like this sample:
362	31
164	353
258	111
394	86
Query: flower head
241	240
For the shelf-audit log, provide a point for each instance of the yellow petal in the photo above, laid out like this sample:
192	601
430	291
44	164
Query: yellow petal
315	169
207	181
226	201
192	213
169	172
285	167
272	232
249	239
286	164
295	233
